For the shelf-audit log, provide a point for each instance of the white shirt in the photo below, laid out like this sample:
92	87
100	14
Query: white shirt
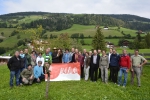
40	59
109	57
94	59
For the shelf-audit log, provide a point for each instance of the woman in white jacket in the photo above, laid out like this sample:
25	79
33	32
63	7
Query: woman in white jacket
40	58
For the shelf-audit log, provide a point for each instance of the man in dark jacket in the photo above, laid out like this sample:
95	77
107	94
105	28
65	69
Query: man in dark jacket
114	66
94	66
14	64
55	56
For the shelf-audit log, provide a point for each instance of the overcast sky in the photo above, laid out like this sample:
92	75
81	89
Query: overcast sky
135	7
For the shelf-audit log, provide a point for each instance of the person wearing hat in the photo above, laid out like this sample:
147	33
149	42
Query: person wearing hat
55	56
27	75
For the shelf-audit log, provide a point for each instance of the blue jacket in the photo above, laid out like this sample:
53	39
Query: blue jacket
114	60
66	57
38	71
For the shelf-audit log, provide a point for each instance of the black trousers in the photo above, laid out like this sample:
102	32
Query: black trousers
99	75
114	73
94	71
42	77
82	71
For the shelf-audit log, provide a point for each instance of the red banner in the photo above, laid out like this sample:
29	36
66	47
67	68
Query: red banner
66	71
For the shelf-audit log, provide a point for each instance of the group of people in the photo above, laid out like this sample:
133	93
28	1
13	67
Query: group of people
28	68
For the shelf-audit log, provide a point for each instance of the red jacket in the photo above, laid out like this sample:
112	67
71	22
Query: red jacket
125	61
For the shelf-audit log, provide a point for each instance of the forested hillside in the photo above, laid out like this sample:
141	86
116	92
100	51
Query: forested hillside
61	21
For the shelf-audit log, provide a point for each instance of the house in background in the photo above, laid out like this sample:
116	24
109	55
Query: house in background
109	45
106	28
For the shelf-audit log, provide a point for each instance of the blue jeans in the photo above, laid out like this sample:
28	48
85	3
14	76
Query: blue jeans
16	74
122	71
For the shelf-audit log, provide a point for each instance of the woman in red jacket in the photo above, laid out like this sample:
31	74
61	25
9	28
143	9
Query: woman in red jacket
124	68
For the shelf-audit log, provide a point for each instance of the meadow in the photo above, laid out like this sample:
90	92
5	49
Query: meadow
75	90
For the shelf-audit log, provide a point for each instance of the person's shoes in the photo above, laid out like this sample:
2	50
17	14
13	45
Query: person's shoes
115	83
139	86
123	86
21	84
118	85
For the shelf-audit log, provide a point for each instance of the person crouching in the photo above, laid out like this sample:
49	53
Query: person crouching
27	75
38	72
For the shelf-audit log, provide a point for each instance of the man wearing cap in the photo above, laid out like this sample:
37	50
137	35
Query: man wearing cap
27	75
137	62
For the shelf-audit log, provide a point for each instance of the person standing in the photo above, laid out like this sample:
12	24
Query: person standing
114	66
94	66
109	54
137	62
103	65
23	64
47	58
27	75
86	65
75	56
55	56
125	64
90	54
81	61
72	52
100	54
40	58
28	58
84	52
49	50
14	65
33	58
38	72
66	57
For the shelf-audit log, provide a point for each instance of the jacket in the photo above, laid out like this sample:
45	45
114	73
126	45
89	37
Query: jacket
87	61
104	61
125	61
14	63
97	64
114	60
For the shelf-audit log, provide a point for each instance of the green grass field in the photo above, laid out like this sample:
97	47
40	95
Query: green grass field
114	41
90	30
7	31
28	19
75	90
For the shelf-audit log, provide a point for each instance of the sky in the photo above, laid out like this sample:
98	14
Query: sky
134	7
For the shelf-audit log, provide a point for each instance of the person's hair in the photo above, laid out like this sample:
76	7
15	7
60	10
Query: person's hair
39	62
136	50
114	49
66	49
29	65
104	50
111	49
33	51
87	53
40	53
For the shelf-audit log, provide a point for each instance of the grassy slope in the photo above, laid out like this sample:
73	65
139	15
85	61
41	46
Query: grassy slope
90	30
12	41
75	90
7	31
28	19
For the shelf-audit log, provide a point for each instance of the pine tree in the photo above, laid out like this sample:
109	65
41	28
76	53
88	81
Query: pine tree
98	41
